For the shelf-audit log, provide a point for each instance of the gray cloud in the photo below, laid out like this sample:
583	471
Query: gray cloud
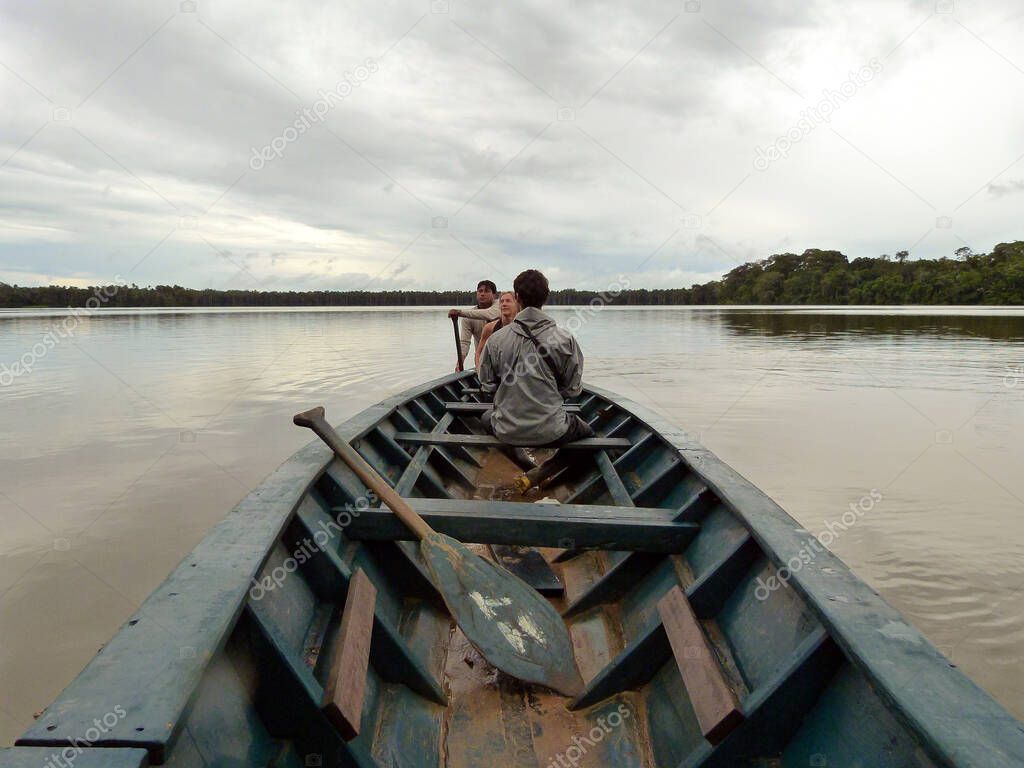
462	121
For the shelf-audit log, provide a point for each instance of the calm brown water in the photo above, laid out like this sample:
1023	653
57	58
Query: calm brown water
128	441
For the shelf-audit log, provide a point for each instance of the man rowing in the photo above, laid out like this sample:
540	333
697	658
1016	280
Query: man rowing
473	320
530	367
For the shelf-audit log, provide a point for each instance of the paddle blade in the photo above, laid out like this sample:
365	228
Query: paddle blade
513	627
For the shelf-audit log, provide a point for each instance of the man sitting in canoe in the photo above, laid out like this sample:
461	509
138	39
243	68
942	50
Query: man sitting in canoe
530	367
474	320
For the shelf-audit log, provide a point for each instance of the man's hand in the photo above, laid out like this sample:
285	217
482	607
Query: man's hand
458	369
454	313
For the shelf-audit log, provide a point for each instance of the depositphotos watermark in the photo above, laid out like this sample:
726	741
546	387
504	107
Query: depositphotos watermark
582	316
533	360
100	726
1014	376
57	332
813	546
810	118
315	113
309	547
605	725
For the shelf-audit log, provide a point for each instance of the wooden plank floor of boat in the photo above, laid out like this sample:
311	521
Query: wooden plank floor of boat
493	719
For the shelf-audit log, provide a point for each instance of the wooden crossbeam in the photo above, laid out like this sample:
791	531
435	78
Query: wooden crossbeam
628	460
646	654
592	485
419	467
618	580
410	476
635	565
414	468
548	528
342	701
713	700
486	441
616	489
611	477
305	693
391	655
425	412
389	447
436	397
404	419
451	390
460	407
655	485
442	425
774	711
619	426
519	510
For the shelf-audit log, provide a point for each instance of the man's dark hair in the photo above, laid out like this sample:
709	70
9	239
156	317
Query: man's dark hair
488	284
532	288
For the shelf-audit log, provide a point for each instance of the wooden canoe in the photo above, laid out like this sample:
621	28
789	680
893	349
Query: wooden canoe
302	630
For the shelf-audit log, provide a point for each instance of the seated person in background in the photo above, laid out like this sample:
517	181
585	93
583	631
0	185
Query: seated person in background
474	320
509	307
530	367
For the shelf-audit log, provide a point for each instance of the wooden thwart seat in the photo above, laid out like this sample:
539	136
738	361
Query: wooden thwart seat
714	703
460	407
342	702
514	523
486	441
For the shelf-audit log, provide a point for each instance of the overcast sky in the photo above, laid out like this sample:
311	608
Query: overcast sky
663	141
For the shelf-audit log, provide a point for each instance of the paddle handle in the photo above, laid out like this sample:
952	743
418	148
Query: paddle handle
458	342
315	420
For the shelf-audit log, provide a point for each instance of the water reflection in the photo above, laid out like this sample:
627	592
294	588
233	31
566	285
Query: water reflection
809	324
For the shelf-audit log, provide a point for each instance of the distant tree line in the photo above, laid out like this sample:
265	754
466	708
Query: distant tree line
828	277
813	277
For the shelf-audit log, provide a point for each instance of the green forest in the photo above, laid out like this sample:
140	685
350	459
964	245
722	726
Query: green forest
813	277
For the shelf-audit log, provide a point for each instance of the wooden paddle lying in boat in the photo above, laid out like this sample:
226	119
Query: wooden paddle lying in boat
514	628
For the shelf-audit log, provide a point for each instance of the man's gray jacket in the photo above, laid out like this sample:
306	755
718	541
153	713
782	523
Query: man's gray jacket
527	394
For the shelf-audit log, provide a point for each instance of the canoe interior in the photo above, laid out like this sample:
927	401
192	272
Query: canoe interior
226	663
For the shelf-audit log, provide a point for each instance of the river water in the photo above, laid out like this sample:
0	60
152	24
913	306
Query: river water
130	438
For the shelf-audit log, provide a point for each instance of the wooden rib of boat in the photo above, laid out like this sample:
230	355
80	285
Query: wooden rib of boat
302	631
